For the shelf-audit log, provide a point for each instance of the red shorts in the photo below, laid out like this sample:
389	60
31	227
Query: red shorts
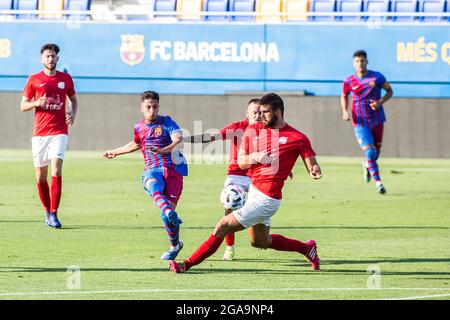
378	135
170	180
174	185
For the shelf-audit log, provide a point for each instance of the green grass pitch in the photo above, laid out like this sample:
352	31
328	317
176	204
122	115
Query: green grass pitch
113	233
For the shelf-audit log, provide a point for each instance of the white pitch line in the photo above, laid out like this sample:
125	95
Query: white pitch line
420	297
10	294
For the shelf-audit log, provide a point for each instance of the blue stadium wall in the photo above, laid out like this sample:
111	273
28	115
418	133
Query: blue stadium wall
217	58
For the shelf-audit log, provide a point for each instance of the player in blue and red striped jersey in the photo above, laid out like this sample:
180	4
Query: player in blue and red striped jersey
367	112
160	140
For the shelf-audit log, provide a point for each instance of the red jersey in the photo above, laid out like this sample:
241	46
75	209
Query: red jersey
235	131
51	118
284	145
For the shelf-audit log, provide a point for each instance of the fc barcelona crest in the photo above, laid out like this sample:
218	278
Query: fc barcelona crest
158	131
132	49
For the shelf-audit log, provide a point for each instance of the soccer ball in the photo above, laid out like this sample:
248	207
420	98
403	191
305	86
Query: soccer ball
233	197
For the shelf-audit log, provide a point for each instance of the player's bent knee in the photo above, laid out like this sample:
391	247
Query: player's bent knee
259	244
221	228
371	153
149	182
41	179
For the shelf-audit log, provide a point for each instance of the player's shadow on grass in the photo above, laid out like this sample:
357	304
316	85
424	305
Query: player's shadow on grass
64	270
387	260
361	227
21	221
106	227
385	273
153	227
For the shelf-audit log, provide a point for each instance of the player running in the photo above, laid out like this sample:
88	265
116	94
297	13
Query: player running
269	150
235	176
160	140
367	112
46	92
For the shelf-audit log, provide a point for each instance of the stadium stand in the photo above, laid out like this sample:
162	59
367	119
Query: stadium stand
189	9
242	6
51	5
322	6
430	6
6	5
132	10
26	5
266	8
294	10
101	11
216	6
349	6
164	6
405	6
376	6
259	10
78	5
448	10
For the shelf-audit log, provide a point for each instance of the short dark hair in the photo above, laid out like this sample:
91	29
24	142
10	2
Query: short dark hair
360	53
151	95
50	46
274	101
254	100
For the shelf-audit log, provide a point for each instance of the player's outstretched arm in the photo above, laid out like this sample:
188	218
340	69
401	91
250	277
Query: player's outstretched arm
313	167
203	138
128	148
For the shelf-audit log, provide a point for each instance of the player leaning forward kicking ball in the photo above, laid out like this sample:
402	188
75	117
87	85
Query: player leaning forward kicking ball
270	150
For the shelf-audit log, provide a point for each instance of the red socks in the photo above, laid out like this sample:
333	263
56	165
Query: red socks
210	246
282	243
50	204
205	250
229	239
56	193
44	195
